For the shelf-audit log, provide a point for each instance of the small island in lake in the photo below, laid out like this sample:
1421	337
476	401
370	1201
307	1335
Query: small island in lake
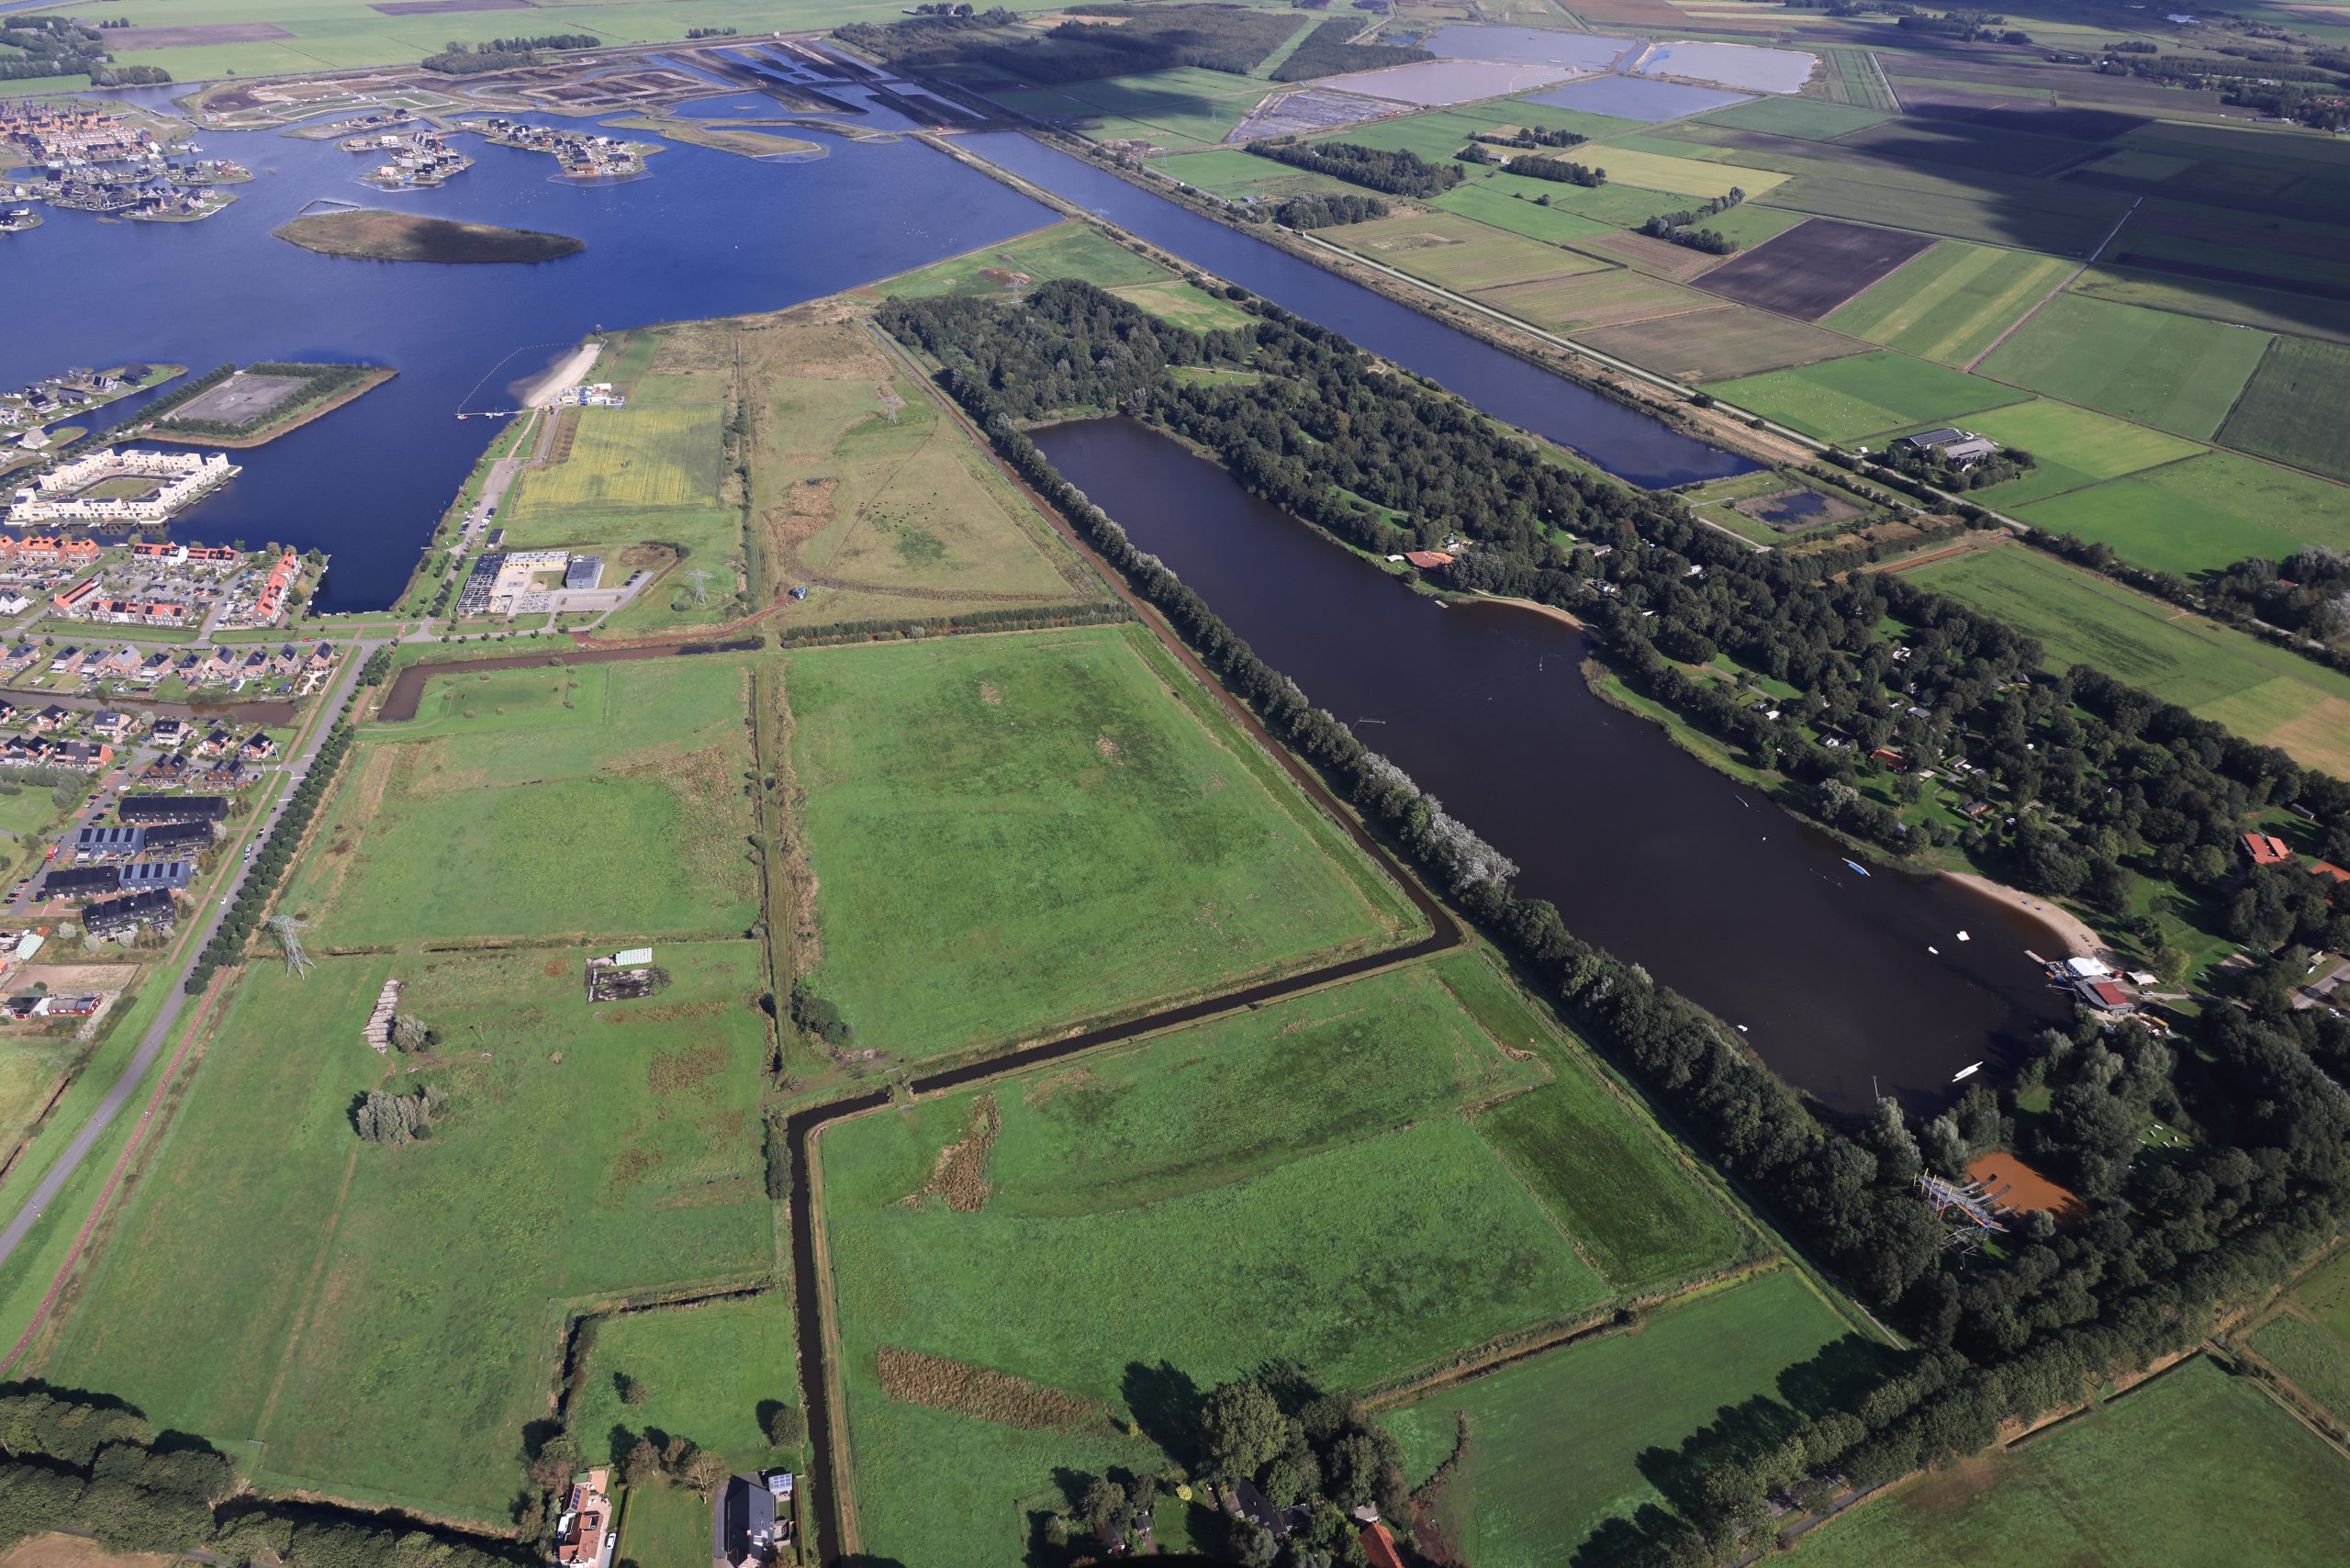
375	235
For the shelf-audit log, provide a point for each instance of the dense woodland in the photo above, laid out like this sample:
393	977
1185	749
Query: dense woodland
1329	50
1400	173
57	46
2128	786
1327	211
1128	40
1676	228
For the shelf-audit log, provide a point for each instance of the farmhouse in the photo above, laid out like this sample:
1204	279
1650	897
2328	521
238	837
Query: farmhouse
1379	1547
584	1536
1949	444
2266	849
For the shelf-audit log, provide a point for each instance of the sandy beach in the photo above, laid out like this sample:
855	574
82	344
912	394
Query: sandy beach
2081	942
570	373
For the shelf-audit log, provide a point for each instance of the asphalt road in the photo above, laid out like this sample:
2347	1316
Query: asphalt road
62	1170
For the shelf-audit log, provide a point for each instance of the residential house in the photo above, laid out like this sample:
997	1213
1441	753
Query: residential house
1379	1547
151	809
120	916
50	718
20	658
166	874
168	732
744	1523
182	838
285	661
12	602
584	1537
228	774
80	881
214	744
107	843
258	747
107	722
83	756
165	773
67	662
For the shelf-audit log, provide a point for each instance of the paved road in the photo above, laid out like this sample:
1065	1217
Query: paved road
53	1180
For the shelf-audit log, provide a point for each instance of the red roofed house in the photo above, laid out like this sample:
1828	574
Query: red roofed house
2107	995
2266	849
272	592
2328	868
584	1537
1427	560
75	595
1380	1547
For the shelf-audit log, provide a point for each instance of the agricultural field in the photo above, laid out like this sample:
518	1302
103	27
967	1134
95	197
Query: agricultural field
1295	1181
1534	1484
2175	373
1612	204
2072	448
1814	267
379	1321
1507	207
2195	1468
1811	119
2207	512
2292	410
622	815
1609	299
705	1372
1134	847
1864	395
1729	341
1950	304
1180	108
1454	252
1239	176
628	460
2264	694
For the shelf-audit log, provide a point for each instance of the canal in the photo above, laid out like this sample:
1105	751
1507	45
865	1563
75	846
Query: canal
1834	976
1632	445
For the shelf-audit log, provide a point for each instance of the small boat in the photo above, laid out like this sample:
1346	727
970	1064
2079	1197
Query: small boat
1858	867
1741	1028
1937	952
1964	937
1966	1072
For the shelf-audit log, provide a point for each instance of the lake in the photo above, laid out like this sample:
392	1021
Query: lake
702	234
1644	849
1626	442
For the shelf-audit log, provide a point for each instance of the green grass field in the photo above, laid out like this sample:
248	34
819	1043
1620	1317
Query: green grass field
2317	1362
1864	395
2073	448
1454	252
1295	1181
379	1322
2198	1468
31	1066
2175	373
621	813
1951	303
1010	834
1555	1442
2207	512
703	1371
2292	408
1067	249
2264	694
1236	175
1503	203
1612	206
663	1525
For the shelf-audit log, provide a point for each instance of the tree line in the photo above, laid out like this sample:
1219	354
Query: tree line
1535	166
1675	227
2163	1243
461	59
319	381
81	1461
1398	173
1328	211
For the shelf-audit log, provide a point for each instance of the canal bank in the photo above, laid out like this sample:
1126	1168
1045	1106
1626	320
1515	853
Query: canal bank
1630	443
1831	974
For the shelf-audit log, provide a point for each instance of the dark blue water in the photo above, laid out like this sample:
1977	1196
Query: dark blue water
1626	444
704	234
1846	985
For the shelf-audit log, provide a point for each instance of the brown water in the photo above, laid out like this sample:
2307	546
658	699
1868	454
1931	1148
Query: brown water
1644	849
